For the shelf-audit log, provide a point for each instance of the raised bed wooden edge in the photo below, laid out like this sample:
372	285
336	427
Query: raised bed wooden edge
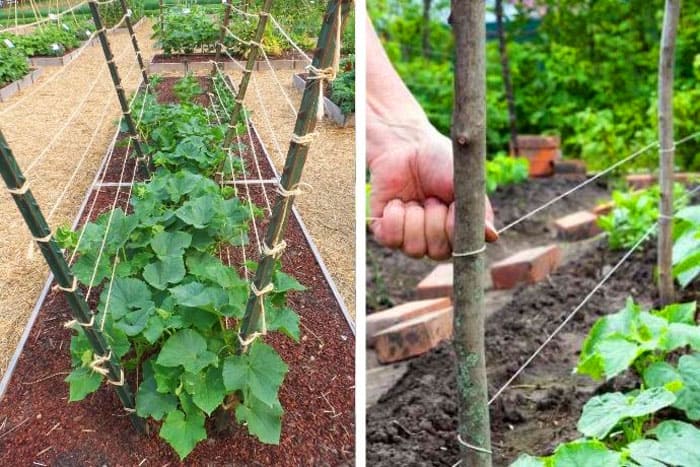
20	85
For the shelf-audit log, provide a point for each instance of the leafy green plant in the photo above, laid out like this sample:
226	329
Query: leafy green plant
169	307
504	170
686	246
112	13
342	90
186	30
13	65
633	214
49	40
635	338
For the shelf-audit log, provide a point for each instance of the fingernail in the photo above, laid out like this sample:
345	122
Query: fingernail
491	234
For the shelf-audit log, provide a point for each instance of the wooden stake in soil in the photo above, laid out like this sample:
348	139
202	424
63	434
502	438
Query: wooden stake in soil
26	203
667	149
114	72
255	45
469	147
134	41
324	59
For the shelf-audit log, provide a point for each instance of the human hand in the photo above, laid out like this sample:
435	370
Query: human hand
412	198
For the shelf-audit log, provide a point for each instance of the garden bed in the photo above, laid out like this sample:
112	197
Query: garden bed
318	425
415	422
13	88
184	63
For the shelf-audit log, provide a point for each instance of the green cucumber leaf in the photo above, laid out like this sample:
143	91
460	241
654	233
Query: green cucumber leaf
263	420
260	371
183	432
186	348
82	382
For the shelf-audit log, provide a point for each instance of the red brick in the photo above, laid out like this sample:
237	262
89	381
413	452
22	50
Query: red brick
528	266
604	208
414	337
377	322
639	181
570	168
577	226
437	284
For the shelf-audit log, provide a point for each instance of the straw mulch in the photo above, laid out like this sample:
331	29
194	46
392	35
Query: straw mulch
329	211
29	128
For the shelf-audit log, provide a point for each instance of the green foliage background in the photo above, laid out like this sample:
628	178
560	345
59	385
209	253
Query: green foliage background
586	71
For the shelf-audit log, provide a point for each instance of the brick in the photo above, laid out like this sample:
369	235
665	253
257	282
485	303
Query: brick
528	266
603	208
436	284
414	337
377	322
570	168
641	181
577	226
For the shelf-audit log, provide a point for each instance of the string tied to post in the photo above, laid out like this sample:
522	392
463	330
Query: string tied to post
275	251
304	139
260	294
473	447
98	361
73	322
20	190
469	253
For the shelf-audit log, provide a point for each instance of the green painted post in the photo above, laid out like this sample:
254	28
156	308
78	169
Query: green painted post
252	57
40	230
222	34
134	42
294	165
114	72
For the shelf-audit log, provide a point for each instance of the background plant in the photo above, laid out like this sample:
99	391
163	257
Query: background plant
13	64
686	245
505	170
342	89
112	13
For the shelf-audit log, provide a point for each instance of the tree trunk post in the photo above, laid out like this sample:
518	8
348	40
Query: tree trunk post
323	59
667	150
116	80
134	41
36	222
255	46
507	82
469	147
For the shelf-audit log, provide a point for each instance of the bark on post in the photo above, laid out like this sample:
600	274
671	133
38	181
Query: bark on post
116	80
134	42
255	45
40	230
294	164
469	147
507	82
667	151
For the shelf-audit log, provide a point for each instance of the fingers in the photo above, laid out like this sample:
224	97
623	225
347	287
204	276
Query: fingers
414	242
490	233
388	230
438	245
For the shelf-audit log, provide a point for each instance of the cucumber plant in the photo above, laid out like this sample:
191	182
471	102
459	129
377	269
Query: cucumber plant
13	65
686	245
169	307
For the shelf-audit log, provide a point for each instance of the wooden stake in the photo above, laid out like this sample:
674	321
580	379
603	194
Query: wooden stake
222	34
294	164
252	57
469	147
29	208
667	150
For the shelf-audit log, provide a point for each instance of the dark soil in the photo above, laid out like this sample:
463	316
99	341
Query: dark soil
392	276
415	422
205	57
37	424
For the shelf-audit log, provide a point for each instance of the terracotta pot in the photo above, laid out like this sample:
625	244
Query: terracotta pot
541	151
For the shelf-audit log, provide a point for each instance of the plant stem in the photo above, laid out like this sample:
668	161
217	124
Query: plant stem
469	147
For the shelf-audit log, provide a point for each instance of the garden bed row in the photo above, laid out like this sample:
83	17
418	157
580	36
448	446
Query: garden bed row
183	64
318	426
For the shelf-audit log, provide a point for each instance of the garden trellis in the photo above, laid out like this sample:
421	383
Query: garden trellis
473	427
223	97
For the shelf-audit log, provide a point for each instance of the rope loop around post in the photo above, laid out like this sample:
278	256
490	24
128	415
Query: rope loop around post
300	188
72	288
21	190
73	322
472	447
276	251
304	139
98	361
469	253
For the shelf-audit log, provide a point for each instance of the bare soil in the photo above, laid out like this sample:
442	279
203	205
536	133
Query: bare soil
415	422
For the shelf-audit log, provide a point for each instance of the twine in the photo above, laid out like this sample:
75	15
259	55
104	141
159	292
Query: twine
121	379
469	253
72	288
98	361
671	149
73	322
21	190
276	251
297	190
45	239
305	139
472	447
